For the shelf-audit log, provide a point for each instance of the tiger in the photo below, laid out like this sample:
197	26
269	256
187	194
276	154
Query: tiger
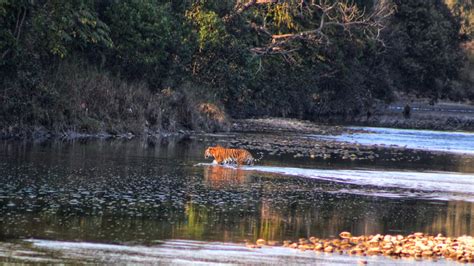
224	155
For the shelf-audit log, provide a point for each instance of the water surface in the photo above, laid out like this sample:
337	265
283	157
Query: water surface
407	184
149	194
445	141
183	252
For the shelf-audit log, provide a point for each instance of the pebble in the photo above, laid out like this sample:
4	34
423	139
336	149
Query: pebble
418	246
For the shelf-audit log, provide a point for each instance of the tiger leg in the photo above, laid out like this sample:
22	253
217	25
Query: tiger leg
240	161
218	160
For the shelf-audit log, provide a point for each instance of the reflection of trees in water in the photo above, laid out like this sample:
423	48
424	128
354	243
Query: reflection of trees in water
86	228
320	219
457	220
329	217
465	164
292	208
196	219
289	209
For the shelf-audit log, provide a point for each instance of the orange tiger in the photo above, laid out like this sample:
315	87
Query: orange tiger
224	155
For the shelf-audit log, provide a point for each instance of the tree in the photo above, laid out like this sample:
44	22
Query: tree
310	55
464	11
424	50
284	23
145	35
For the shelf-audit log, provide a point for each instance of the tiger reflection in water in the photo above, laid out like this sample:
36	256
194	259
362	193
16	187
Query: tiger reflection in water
219	176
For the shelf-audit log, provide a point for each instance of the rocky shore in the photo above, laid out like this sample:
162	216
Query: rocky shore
417	245
304	139
287	125
444	115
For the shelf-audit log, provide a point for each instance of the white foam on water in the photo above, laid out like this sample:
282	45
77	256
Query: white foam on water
430	185
445	141
188	252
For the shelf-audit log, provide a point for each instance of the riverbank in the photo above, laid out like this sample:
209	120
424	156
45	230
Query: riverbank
210	118
43	134
417	246
422	115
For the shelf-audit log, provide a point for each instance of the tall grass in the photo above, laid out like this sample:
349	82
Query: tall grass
74	96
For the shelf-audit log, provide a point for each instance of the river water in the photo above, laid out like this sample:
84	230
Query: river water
453	142
142	200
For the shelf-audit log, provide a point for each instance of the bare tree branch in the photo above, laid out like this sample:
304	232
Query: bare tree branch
341	14
20	19
241	7
21	25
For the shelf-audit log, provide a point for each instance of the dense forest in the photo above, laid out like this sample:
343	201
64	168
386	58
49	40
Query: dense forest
152	65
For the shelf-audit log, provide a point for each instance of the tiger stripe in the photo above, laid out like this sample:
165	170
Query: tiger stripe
227	155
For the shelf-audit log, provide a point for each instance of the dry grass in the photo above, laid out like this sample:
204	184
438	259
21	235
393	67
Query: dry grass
77	97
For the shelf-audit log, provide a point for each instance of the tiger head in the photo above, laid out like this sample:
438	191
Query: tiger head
208	152
211	151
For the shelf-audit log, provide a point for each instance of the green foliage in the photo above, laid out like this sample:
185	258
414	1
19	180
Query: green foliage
65	26
12	18
464	11
210	28
184	52
222	62
38	33
316	80
144	33
425	43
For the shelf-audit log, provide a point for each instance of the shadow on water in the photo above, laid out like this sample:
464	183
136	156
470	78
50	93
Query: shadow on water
143	191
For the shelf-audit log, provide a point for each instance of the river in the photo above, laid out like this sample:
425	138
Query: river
144	201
